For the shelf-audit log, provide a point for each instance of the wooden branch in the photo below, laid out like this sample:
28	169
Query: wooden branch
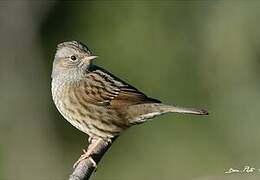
86	167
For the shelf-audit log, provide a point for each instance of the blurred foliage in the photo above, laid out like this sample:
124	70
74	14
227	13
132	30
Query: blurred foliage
191	53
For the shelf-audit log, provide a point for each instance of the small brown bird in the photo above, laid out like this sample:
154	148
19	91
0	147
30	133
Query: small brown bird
95	101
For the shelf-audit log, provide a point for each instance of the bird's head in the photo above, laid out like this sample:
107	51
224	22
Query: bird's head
73	57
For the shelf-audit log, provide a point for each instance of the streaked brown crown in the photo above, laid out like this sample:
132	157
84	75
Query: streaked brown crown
77	46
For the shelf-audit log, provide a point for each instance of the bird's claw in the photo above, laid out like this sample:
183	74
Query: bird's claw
86	155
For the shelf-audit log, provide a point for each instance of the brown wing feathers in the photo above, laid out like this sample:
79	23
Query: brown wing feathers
128	97
109	90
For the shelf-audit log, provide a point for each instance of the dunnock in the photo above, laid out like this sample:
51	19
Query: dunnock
97	102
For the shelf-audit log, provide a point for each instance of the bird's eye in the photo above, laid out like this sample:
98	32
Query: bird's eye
73	58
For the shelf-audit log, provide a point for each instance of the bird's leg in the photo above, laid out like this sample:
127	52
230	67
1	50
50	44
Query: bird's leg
87	154
90	139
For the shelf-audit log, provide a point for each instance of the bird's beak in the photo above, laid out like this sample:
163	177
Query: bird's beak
88	59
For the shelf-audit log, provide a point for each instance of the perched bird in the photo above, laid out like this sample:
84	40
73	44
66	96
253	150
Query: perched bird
97	102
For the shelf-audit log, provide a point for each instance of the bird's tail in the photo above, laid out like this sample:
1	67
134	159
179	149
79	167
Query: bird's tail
141	113
175	109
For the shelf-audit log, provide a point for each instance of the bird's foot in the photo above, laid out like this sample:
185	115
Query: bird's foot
86	155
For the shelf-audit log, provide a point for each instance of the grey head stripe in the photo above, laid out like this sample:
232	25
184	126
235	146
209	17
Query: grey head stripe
78	46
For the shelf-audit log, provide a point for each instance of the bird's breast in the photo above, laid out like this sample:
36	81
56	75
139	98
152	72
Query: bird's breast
89	118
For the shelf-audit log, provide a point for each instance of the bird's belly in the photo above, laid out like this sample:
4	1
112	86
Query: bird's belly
70	116
91	119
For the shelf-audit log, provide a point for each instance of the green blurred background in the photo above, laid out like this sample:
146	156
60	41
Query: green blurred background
193	53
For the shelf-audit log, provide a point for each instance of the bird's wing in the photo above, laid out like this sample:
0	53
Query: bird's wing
103	88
